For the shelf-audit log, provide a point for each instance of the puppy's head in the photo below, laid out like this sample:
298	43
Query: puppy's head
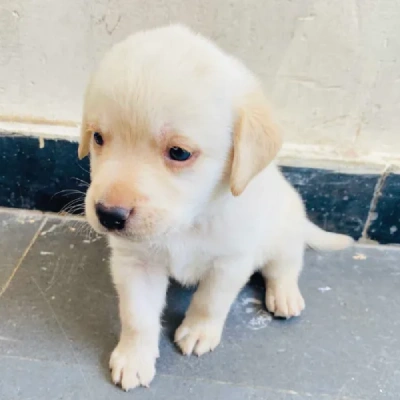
171	123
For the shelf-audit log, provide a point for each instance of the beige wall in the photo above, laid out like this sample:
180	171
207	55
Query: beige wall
331	68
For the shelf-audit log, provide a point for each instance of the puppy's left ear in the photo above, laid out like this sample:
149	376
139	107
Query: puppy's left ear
84	141
256	142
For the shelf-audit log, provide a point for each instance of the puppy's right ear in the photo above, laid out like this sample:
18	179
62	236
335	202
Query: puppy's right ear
84	142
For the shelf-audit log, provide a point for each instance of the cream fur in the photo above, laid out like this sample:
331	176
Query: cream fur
214	220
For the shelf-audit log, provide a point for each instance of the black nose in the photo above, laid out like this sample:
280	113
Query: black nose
112	218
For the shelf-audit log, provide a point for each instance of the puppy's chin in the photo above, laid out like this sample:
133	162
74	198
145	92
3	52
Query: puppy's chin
132	235
138	231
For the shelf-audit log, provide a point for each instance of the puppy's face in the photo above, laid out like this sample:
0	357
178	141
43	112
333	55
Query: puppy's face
164	140
148	180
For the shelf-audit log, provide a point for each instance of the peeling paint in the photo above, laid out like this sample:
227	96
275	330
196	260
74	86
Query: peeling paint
325	289
359	256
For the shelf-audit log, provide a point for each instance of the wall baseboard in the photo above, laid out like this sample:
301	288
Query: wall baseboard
364	203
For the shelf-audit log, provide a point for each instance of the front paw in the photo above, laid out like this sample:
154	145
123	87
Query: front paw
198	335
132	364
283	298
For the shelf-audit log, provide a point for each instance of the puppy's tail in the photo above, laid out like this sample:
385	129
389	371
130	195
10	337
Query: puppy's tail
318	239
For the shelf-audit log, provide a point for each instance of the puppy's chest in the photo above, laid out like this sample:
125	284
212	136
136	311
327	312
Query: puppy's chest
191	255
189	258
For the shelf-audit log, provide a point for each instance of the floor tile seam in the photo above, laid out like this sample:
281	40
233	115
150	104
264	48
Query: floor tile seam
23	256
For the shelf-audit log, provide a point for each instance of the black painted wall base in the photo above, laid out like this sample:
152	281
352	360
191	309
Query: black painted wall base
49	178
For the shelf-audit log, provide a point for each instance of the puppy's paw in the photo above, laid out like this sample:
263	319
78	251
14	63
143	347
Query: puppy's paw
198	335
283	298
132	364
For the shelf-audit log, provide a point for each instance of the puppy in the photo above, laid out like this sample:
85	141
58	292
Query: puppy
184	184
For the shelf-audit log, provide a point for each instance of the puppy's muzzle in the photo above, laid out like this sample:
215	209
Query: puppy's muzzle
112	218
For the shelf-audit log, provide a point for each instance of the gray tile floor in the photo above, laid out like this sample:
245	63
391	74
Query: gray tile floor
58	325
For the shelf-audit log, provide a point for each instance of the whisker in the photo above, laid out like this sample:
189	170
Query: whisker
83	169
87	184
74	210
77	200
67	192
73	206
73	203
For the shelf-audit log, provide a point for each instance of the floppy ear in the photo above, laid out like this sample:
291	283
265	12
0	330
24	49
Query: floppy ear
256	142
84	141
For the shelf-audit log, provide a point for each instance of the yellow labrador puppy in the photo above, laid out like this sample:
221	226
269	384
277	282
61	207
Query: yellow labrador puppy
184	184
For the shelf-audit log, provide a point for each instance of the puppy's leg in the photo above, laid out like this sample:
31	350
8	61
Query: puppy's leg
201	330
283	297
141	291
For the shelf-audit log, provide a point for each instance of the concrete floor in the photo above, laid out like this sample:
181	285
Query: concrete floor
59	323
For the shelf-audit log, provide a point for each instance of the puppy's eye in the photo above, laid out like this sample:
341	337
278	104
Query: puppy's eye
179	154
98	138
